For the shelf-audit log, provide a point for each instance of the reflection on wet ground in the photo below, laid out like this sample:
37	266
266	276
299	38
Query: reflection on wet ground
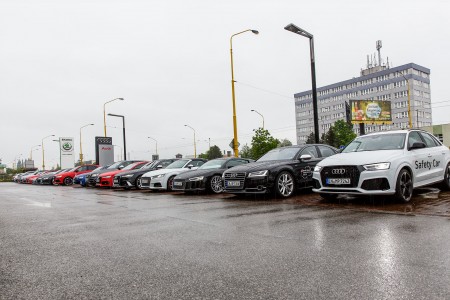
426	201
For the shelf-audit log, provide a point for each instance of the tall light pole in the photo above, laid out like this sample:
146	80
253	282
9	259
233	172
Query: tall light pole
104	112
31	151
295	29
409	100
81	145
235	140
43	160
124	140
260	115
156	148
195	145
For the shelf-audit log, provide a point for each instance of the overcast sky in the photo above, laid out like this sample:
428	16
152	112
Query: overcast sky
60	61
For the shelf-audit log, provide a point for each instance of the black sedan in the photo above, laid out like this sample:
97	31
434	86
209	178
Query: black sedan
281	170
208	176
132	178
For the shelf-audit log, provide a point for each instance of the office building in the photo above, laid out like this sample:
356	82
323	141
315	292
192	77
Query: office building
376	82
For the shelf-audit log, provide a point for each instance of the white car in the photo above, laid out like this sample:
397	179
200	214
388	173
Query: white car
384	163
163	179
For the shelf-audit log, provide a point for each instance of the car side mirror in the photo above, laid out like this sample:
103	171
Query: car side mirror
120	167
417	145
190	166
305	157
159	166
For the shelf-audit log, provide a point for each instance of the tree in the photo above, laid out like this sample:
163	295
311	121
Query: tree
344	133
246	151
214	152
284	143
262	142
330	137
311	138
203	155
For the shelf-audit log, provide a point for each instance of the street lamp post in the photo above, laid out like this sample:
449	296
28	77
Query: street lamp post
235	140
295	29
43	159
31	151
195	145
260	115
124	140
409	99
81	146
104	112
156	148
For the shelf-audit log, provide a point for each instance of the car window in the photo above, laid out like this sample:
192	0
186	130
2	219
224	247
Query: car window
413	137
92	167
197	163
326	151
311	150
429	141
236	162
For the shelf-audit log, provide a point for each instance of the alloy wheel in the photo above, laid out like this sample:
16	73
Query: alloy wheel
216	184
285	184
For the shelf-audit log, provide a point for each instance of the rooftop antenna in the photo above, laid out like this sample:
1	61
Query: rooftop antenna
379	45
387	62
368	61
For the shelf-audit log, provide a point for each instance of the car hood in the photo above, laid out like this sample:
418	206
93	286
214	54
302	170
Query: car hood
263	165
82	175
196	173
102	171
111	173
361	158
165	171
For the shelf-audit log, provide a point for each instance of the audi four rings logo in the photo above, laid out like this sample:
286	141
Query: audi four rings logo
338	171
232	175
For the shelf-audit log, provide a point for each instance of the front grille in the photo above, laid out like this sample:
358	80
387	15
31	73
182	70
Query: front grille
340	172
193	185
231	180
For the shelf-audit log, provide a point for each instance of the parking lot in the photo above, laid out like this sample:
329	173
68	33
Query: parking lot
86	243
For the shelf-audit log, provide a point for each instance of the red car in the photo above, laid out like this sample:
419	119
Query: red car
66	178
106	179
29	179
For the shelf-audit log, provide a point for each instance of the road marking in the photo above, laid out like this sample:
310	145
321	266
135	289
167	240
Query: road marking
37	203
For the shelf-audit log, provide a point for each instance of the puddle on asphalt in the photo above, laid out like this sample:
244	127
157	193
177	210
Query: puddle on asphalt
425	201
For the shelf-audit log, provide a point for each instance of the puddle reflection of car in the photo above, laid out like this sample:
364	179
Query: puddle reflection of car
385	163
208	177
281	170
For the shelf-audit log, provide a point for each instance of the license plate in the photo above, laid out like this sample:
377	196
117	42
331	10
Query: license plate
338	180
233	183
145	180
177	183
116	180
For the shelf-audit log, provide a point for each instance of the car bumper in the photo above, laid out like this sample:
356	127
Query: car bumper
104	182
380	182
256	185
158	183
186	185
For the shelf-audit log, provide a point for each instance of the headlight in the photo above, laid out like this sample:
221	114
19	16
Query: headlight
59	176
258	173
378	166
317	168
128	176
94	175
198	178
107	177
158	176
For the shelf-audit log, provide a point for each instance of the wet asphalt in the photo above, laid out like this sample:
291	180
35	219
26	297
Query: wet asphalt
76	243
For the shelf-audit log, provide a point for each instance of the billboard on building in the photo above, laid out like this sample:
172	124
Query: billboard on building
371	111
67	152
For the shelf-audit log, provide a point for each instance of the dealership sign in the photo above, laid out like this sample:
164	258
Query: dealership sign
371	111
104	151
66	152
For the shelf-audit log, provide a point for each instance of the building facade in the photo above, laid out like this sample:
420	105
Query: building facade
375	83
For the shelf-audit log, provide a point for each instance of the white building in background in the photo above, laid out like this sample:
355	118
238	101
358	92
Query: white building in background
376	82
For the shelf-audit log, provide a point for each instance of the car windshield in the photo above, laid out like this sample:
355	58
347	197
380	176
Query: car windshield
212	164
130	167
394	141
279	154
177	164
150	164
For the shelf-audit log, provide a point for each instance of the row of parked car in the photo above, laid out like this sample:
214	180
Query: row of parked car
192	175
384	163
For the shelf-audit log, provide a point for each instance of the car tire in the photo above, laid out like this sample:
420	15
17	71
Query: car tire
404	186
139	183
284	184
68	181
170	183
328	197
445	184
215	184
